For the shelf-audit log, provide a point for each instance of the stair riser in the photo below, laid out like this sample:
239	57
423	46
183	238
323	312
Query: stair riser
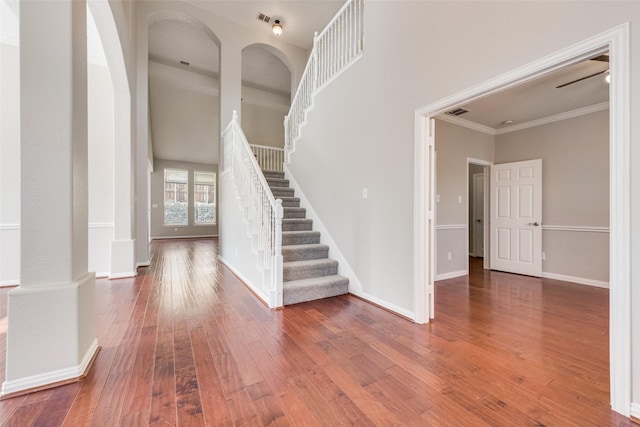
275	175
294	213
300	240
290	203
277	182
285	192
302	295
289	255
297	226
307	272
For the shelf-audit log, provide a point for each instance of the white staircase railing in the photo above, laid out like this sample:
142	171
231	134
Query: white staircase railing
262	212
335	49
269	158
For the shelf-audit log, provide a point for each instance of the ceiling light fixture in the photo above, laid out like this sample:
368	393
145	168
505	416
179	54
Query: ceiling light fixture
277	28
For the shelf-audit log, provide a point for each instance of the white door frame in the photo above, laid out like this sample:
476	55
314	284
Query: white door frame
485	234
616	41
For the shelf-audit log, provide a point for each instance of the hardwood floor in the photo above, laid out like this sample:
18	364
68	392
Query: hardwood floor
185	343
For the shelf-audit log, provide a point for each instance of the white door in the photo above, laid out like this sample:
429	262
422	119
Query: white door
516	217
478	214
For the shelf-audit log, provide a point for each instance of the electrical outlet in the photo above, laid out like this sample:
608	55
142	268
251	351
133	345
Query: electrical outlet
175	229
544	256
459	199
365	193
449	256
437	198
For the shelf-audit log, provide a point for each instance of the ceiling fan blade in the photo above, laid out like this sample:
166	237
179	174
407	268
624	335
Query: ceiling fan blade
581	79
601	58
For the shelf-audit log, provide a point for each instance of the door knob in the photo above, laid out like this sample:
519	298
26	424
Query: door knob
535	224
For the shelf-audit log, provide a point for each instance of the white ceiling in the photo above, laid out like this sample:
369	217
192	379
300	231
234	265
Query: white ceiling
299	18
539	98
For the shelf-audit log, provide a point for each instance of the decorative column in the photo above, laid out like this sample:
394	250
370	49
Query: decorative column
51	316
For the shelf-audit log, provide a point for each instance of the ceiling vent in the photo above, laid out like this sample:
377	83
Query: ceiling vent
184	63
457	112
264	18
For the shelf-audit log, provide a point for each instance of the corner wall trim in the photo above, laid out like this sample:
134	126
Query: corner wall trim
51	379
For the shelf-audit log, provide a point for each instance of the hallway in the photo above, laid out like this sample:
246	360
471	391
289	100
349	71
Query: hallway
185	343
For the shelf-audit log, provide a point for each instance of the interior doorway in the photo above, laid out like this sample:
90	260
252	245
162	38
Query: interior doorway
616	42
478	207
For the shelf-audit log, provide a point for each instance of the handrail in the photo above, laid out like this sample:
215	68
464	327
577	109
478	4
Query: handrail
261	211
335	49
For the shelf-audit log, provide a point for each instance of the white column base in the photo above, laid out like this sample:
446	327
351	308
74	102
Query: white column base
122	259
52	338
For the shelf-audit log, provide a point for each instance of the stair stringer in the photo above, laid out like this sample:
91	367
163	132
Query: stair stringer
344	269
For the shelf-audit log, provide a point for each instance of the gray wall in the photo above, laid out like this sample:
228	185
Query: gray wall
575	189
454	145
158	229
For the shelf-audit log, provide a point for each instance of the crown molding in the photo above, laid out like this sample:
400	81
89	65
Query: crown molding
526	125
555	118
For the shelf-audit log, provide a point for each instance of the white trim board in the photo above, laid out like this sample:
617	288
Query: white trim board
203	236
574	279
635	410
452	227
9	283
617	42
581	229
451	275
9	227
344	269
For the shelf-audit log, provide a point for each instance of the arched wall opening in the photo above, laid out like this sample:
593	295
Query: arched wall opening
266	94
184	125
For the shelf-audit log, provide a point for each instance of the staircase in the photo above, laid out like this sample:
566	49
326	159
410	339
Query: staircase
308	272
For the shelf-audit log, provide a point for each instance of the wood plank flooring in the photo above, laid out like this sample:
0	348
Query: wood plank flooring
185	343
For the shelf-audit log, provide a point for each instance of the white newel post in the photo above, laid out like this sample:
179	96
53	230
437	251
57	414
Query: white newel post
277	256
51	315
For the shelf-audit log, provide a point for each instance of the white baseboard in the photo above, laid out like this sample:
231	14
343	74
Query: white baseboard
203	236
377	301
124	275
451	275
635	410
51	378
9	283
146	263
247	282
102	275
578	280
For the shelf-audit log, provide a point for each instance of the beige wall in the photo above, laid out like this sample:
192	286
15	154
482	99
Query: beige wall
158	229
